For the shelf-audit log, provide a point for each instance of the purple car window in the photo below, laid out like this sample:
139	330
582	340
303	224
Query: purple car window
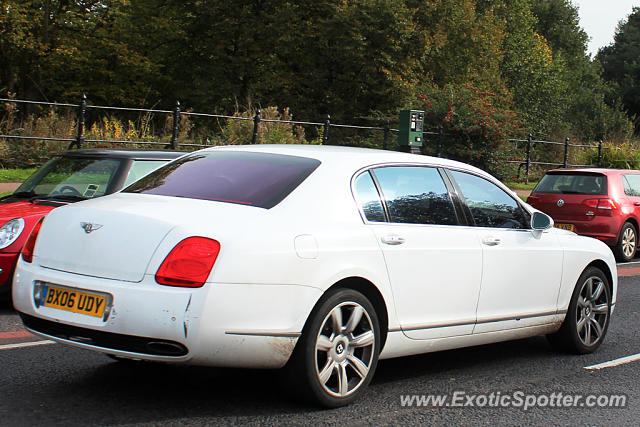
241	177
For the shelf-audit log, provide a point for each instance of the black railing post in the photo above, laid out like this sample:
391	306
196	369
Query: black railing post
176	126
440	140
82	114
528	161
386	135
565	163
600	153
325	134
256	126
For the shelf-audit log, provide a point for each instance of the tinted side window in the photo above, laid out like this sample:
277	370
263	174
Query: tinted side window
368	198
631	184
416	195
490	206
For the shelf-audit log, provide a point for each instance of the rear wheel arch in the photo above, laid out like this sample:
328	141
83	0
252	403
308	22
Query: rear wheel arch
370	291
336	356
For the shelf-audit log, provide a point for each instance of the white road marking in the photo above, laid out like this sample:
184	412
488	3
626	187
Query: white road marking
615	362
25	344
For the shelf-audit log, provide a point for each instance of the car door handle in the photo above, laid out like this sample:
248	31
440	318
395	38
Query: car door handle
393	239
636	203
491	241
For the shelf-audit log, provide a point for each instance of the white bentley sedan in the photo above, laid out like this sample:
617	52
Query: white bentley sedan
321	259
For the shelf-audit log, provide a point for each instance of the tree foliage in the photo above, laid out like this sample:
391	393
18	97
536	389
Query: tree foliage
477	123
353	59
59	48
621	66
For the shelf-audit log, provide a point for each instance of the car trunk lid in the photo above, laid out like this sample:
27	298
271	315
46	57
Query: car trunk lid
115	237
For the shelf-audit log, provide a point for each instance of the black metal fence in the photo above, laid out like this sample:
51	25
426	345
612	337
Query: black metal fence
176	113
438	138
530	143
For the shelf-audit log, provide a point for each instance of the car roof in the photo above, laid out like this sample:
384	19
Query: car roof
602	171
124	154
350	157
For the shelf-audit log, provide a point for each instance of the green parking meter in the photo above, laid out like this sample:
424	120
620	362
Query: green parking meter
410	130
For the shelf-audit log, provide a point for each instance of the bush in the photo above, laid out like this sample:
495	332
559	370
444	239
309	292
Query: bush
477	125
236	132
24	153
21	153
618	156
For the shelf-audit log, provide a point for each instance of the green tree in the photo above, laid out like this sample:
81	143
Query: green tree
455	43
583	111
316	57
621	67
528	67
477	123
559	23
57	49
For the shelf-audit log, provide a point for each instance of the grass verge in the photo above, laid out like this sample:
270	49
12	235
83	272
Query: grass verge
15	175
520	185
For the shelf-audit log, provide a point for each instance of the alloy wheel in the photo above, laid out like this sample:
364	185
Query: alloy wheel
628	242
344	349
592	311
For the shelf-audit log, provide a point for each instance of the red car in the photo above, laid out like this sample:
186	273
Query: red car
68	177
600	203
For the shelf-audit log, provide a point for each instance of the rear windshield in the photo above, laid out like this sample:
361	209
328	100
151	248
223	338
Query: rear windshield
595	185
246	178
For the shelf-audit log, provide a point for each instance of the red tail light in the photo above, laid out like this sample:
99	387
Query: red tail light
27	251
607	204
533	199
591	203
188	264
600	204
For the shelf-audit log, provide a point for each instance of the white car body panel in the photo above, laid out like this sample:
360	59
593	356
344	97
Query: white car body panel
579	252
506	292
432	298
275	264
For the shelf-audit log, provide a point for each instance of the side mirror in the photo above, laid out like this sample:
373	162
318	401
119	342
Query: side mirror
540	221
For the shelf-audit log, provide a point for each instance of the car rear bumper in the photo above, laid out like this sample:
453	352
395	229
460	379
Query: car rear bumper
225	325
605	229
610	239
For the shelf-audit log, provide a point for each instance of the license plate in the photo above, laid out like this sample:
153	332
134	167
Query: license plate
569	227
74	300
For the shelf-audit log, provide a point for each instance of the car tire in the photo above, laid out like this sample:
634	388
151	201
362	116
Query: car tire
625	249
337	354
587	319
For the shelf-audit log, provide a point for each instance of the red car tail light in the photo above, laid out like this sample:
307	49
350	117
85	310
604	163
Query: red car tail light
30	245
607	204
189	263
533	199
591	203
